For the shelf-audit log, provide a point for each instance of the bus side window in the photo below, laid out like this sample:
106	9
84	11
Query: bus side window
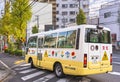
71	38
67	39
50	40
62	40
32	42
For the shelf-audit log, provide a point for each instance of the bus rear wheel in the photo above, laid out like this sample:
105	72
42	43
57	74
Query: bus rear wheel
58	70
31	64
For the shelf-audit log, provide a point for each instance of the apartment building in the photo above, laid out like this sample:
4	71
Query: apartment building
65	11
53	2
110	17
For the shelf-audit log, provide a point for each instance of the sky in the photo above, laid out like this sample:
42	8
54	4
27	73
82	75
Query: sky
1	6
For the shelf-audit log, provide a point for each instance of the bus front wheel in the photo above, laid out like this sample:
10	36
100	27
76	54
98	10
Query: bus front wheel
58	70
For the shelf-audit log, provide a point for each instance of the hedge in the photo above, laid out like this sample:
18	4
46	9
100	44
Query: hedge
14	52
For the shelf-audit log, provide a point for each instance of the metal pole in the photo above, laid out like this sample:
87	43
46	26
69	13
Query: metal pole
79	5
37	20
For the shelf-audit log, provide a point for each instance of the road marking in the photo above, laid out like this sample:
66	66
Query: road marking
114	57
45	78
22	68
32	75
114	73
19	61
63	80
27	71
28	64
116	63
4	64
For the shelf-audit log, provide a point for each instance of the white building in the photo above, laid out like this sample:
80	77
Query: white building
67	10
94	7
41	16
109	16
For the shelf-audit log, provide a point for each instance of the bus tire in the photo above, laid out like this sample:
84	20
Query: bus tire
58	70
31	64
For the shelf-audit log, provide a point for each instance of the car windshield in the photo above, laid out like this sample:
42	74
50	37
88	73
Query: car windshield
93	35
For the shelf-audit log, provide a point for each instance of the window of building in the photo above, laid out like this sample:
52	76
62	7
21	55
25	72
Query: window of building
32	42
107	14
64	13
64	20
72	20
73	5
57	12
57	5
72	12
67	39
57	19
64	5
50	40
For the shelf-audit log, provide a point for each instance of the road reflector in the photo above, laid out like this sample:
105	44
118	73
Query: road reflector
105	57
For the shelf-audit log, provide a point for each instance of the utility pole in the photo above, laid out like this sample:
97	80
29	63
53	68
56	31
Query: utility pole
79	5
37	18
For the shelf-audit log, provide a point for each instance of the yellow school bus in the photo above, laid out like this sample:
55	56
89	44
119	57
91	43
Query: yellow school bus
77	50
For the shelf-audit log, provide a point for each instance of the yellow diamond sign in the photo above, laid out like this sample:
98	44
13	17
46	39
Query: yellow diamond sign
105	57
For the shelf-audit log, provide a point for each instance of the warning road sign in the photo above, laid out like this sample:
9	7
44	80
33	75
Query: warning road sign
105	57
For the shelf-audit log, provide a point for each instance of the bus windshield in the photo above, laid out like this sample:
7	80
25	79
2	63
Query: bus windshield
93	35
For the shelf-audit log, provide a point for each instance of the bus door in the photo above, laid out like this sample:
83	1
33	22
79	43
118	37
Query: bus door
40	51
94	56
99	48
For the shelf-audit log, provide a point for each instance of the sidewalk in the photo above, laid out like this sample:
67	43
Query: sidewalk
4	72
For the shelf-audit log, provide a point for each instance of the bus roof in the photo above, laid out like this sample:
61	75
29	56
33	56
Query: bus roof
69	28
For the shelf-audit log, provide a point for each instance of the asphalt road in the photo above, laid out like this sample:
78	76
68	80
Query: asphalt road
25	74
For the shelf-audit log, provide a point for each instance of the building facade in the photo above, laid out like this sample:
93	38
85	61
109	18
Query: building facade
67	10
41	16
53	2
110	17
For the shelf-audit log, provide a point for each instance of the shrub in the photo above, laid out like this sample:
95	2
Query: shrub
14	52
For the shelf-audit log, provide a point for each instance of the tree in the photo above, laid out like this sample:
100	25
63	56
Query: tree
21	14
80	19
34	29
5	27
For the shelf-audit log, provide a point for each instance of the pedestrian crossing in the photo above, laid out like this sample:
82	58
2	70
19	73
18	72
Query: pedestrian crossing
28	74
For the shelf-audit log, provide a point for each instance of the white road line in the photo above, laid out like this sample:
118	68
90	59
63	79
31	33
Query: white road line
22	68
114	73
28	64
32	75
45	78
116	63
114	57
27	71
63	80
4	64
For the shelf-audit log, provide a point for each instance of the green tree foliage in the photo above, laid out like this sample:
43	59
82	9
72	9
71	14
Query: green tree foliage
80	19
21	14
34	29
5	27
